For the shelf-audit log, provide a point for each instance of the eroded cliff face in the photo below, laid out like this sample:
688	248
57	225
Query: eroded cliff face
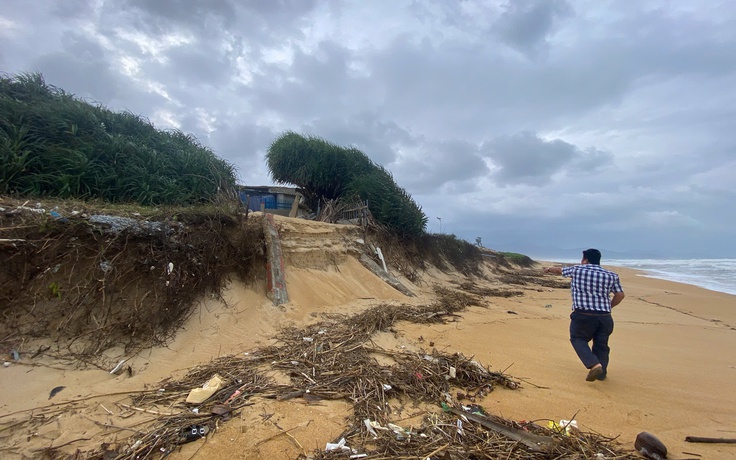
93	278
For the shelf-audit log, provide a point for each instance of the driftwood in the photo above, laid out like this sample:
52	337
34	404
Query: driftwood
534	442
711	440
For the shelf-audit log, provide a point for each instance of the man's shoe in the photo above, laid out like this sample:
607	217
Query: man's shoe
602	376
594	373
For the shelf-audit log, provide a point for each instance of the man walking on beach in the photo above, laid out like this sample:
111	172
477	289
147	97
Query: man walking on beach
591	318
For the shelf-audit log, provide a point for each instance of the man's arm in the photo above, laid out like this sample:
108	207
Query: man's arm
617	298
554	270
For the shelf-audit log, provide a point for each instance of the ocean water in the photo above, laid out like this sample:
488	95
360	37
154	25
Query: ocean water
714	274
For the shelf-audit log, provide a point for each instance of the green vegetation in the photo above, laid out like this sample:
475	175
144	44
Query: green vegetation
518	259
53	144
447	248
326	171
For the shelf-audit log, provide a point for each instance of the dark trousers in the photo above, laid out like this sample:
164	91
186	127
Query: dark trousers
585	327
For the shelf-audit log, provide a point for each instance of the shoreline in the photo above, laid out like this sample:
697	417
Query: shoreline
665	274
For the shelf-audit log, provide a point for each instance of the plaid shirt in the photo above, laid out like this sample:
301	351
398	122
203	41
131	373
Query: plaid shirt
591	285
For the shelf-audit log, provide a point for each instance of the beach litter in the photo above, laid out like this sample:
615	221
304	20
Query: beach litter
371	429
650	446
193	432
56	216
55	391
566	427
338	446
118	367
200	395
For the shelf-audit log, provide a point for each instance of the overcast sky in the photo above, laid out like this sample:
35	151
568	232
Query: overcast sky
557	123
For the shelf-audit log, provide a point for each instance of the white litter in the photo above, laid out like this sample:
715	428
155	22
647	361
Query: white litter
369	427
117	368
339	446
567	424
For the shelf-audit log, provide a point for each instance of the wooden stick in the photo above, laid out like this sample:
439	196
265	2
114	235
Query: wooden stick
109	425
534	442
66	403
711	440
262	441
148	411
437	451
61	445
106	410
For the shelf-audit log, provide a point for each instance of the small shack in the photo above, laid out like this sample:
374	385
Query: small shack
274	200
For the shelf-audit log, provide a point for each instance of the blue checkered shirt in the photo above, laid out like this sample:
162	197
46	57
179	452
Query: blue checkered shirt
591	285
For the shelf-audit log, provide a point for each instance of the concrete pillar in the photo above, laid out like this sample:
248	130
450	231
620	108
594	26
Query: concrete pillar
276	278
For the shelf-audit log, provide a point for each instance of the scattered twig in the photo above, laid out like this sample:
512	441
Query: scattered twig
710	440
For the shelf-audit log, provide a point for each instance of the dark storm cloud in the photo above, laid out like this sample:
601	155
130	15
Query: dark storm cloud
478	83
253	18
81	67
432	166
244	144
163	14
462	91
95	80
524	158
194	66
365	131
312	86
70	9
526	24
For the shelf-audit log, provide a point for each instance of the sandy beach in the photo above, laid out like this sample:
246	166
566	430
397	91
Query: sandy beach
672	371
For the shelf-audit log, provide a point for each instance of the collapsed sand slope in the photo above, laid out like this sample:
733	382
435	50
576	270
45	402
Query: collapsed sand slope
323	269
